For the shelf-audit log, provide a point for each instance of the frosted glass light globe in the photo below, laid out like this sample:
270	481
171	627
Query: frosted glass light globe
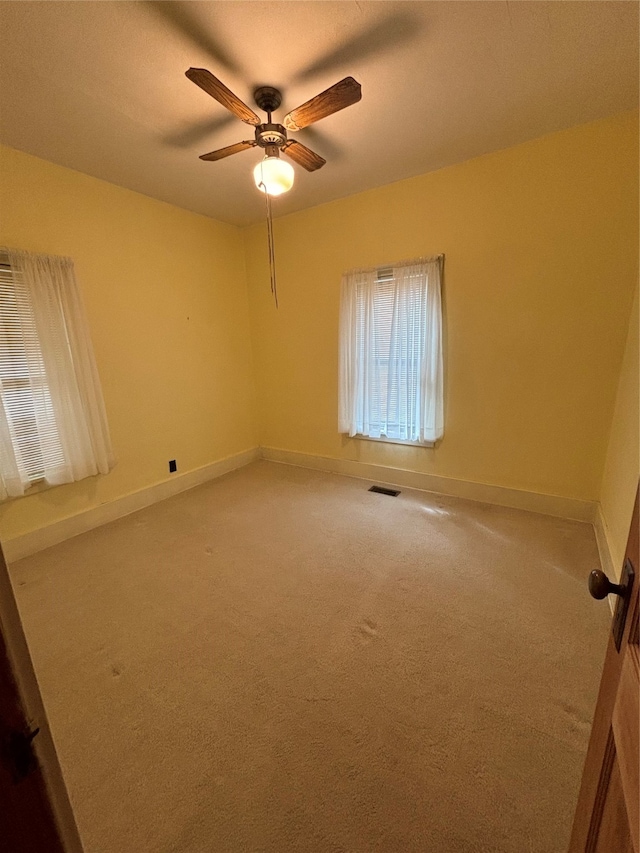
273	176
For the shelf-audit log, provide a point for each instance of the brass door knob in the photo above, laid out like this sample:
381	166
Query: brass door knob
600	586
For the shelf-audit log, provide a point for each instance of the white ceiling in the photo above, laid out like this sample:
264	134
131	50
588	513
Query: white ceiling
100	87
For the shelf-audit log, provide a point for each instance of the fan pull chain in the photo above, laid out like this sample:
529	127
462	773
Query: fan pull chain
272	254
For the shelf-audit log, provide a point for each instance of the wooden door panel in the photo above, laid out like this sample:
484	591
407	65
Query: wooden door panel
27	823
614	821
35	812
626	714
608	811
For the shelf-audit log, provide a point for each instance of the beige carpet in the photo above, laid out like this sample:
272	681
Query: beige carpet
281	661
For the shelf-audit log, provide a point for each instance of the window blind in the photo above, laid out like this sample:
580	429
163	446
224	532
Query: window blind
23	382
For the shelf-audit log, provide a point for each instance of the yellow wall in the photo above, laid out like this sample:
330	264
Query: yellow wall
166	296
622	466
541	245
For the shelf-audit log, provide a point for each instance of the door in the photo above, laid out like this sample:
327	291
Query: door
607	815
35	814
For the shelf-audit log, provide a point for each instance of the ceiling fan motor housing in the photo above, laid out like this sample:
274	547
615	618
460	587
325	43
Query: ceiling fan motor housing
270	134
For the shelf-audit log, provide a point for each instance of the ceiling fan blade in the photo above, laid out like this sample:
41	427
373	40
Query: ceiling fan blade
303	156
193	26
188	135
229	150
336	97
386	34
212	86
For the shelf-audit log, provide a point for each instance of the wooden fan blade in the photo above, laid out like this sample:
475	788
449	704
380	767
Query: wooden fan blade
229	150
212	86
336	97
303	156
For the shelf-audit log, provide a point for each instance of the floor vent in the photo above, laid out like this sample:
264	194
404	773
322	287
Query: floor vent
380	490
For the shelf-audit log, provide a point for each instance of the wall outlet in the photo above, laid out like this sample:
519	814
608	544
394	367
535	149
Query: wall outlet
173	466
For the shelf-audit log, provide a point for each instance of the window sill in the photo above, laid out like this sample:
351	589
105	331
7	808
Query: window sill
384	440
36	486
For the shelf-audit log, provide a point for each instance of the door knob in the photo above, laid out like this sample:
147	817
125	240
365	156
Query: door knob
600	586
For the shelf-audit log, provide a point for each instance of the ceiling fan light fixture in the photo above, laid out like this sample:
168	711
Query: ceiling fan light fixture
273	175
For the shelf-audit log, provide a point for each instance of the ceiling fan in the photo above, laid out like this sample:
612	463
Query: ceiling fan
272	175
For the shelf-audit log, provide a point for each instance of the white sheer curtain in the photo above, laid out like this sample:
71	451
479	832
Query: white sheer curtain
391	372
53	424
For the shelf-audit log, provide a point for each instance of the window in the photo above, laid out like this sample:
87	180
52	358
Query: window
23	383
53	425
391	353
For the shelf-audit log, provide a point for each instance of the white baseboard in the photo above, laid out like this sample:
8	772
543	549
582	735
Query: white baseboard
560	507
607	562
37	540
604	548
